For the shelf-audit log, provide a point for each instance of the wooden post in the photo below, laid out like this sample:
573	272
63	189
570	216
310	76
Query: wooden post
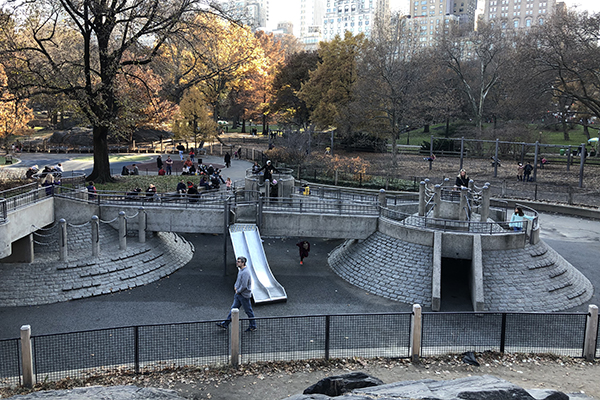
234	335
415	333
27	357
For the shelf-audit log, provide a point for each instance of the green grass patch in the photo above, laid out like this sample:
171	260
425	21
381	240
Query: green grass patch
121	157
165	183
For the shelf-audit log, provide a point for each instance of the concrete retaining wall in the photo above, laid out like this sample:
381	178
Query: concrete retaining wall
25	221
317	225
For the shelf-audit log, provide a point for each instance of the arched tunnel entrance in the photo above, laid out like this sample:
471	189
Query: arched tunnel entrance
455	285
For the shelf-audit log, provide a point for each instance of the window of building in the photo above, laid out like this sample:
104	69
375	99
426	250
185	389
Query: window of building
528	22
516	23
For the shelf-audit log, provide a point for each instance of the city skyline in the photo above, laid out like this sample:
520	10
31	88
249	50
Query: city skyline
289	10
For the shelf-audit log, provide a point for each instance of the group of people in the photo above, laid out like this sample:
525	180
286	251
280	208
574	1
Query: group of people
524	172
133	171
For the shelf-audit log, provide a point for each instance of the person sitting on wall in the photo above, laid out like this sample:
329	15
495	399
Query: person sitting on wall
125	171
135	170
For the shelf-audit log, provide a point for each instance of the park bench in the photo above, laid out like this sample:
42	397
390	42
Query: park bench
8	159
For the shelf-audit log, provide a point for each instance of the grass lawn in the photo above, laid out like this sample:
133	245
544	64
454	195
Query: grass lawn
165	183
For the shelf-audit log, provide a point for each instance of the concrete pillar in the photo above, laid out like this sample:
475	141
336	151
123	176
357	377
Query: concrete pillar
95	236
382	198
437	200
62	239
22	250
27	357
471	184
422	199
416	330
485	203
476	283
591	333
234	334
142	218
436	278
122	231
462	211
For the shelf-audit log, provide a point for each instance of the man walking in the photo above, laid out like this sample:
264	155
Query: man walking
242	295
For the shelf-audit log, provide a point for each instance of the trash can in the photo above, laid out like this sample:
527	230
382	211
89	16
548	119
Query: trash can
562	152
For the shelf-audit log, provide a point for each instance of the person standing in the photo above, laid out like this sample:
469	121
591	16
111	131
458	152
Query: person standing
159	162
227	159
269	169
180	148
527	169
462	180
243	293
91	190
169	163
304	248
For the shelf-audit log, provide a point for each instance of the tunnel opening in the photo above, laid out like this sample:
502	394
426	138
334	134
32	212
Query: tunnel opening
456	287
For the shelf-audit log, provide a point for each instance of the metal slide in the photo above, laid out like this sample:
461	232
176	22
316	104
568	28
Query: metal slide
247	243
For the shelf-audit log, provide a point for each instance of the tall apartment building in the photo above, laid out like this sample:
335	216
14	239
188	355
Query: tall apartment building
311	17
355	16
432	17
254	13
517	13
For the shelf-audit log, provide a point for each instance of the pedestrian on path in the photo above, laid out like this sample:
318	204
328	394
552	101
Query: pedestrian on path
169	163
242	295
304	248
159	162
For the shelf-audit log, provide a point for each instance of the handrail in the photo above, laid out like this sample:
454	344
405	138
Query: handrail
491	228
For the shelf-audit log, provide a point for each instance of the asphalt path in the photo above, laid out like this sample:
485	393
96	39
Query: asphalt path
203	289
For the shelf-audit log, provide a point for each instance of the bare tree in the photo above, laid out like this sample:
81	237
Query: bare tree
478	59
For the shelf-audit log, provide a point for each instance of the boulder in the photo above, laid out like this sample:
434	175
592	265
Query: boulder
483	387
338	385
128	392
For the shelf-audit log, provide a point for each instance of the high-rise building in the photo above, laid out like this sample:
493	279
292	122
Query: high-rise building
254	13
355	16
517	13
430	18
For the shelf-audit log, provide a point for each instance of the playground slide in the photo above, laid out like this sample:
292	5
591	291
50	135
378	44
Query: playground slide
247	243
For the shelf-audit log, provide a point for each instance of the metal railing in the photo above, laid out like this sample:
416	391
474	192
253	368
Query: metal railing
137	349
323	206
490	228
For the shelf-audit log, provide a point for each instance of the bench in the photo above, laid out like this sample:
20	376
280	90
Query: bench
8	159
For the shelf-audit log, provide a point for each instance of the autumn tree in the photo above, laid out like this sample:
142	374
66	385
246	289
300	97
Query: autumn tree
14	113
289	108
194	118
330	90
214	55
79	48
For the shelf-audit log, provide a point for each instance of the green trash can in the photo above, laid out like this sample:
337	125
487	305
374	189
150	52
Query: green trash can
562	152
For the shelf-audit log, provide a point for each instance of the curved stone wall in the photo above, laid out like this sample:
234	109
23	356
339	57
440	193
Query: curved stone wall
48	280
387	267
536	278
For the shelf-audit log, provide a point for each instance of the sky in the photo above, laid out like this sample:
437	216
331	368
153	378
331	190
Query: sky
289	10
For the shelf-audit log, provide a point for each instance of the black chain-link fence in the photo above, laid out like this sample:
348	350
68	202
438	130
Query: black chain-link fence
137	349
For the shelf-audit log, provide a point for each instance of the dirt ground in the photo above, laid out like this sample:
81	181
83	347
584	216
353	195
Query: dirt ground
276	381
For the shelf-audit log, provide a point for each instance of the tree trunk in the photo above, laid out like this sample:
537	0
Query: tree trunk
565	128
101	171
586	131
426	128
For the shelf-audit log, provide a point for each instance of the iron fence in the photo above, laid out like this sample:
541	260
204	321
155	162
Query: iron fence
10	367
488	228
78	355
304	205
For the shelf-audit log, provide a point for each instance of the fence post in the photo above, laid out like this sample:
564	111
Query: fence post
336	178
382	198
581	164
27	356
485	202
591	333
327	335
122	231
535	160
437	200
234	334
95	236
63	240
422	201
496	159
416	331
462	152
142	219
569	155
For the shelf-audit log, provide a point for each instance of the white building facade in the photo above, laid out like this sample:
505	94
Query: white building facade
355	16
